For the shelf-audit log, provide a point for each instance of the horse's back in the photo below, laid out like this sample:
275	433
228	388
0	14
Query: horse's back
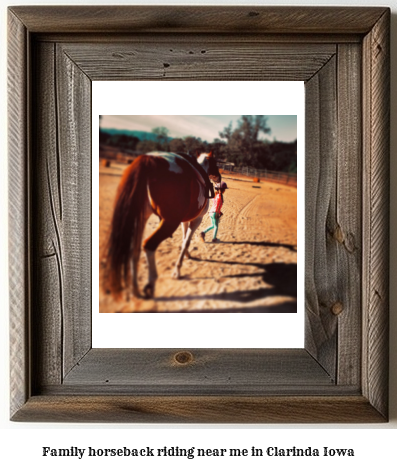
176	189
181	164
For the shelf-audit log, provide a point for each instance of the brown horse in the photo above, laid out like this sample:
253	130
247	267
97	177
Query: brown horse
165	184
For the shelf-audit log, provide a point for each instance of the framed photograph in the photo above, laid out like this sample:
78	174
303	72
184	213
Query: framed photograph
253	268
340	373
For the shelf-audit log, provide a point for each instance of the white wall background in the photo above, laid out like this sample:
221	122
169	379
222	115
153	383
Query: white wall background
22	443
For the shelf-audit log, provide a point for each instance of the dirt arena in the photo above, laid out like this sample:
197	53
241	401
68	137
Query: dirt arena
251	269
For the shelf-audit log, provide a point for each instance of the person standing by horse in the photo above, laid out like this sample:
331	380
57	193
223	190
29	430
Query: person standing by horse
215	211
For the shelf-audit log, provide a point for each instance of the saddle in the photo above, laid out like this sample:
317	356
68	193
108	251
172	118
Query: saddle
209	187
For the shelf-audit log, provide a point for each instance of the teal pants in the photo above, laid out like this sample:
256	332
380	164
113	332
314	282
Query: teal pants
214	224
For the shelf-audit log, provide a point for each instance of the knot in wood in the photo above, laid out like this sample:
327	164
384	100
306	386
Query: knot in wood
338	235
183	358
337	308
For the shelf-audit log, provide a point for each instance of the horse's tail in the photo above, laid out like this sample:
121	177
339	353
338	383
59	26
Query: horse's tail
127	225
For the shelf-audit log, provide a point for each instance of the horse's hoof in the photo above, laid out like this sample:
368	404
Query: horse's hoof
176	275
148	291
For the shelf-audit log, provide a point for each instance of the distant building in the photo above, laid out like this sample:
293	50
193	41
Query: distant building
225	165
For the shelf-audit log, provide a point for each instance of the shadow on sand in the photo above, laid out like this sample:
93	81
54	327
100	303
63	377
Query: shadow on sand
282	278
260	244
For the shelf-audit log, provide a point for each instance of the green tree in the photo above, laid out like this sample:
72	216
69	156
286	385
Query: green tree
177	145
161	137
194	145
220	149
283	156
146	146
243	144
132	142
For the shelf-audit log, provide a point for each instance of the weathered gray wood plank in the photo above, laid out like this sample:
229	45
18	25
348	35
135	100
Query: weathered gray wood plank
376	92
47	332
321	260
199	19
62	226
73	90
204	368
226	59
19	227
348	221
47	339
199	409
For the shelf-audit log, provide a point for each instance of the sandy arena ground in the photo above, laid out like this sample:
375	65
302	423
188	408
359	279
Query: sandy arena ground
251	269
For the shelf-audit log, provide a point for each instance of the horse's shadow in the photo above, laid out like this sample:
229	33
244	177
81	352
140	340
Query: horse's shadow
260	244
281	278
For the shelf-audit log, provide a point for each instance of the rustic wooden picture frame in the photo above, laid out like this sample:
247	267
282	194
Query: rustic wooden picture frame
342	54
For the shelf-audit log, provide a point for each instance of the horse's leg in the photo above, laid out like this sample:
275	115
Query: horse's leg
148	290
164	230
188	230
137	250
185	227
193	225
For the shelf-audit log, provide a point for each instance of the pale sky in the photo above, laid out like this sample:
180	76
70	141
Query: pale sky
283	127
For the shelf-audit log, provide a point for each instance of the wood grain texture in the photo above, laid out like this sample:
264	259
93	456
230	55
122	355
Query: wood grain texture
47	231
346	228
229	370
199	409
341	376
199	19
18	213
321	264
73	89
376	90
217	59
62	226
